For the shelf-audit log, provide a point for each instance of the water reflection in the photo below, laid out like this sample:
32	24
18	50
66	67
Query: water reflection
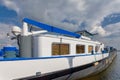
112	73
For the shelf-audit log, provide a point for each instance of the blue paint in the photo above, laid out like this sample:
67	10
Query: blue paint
51	28
1	53
9	49
49	57
9	52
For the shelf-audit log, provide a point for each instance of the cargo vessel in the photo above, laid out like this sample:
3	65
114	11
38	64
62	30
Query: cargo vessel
50	53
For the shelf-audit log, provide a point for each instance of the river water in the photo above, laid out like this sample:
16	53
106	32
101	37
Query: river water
111	73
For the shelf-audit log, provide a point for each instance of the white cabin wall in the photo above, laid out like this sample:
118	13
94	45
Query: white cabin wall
101	48
45	47
90	44
43	44
83	43
36	46
94	49
72	45
72	49
86	49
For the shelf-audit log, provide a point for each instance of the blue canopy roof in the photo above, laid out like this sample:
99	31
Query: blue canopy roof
51	28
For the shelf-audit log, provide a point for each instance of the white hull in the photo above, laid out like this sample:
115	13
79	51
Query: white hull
13	69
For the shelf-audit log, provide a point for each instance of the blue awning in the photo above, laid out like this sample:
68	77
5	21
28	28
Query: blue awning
51	28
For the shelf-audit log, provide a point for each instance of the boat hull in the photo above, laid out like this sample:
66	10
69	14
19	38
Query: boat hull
76	72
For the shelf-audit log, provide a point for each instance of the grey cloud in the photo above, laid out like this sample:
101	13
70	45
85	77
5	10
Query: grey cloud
53	12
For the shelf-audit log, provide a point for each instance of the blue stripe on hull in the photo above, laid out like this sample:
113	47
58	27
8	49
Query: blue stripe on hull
49	57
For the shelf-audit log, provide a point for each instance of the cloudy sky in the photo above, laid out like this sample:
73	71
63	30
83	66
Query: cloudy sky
96	16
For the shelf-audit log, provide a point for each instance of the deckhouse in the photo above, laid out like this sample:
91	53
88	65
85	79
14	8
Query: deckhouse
56	43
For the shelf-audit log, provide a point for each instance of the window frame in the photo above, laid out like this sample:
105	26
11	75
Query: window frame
97	48
60	49
80	52
90	49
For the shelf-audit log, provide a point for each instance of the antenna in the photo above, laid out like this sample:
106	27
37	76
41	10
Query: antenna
9	43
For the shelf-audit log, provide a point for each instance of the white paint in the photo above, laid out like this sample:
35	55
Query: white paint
37	32
43	44
18	69
25	29
16	30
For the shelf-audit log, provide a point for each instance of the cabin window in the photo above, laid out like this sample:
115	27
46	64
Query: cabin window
60	49
80	49
96	48
90	48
